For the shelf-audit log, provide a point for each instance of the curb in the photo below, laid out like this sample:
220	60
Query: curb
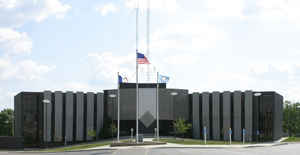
41	152
162	147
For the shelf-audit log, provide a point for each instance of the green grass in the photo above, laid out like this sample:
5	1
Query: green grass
195	142
76	147
292	139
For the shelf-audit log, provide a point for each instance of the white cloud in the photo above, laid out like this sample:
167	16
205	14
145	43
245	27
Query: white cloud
14	13
6	99
14	42
277	10
191	36
106	64
106	9
229	8
23	70
51	7
8	4
169	6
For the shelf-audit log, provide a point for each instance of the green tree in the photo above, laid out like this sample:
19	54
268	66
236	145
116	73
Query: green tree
181	127
6	122
291	118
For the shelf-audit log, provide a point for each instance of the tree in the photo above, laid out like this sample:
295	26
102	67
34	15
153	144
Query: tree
6	122
291	118
181	127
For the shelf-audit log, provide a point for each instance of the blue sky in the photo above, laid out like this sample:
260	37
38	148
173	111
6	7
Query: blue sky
203	45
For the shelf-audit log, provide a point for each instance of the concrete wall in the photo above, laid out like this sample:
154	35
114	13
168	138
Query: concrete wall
47	116
278	117
216	116
248	115
226	114
206	113
79	116
100	113
237	116
89	115
58	137
18	128
69	116
196	116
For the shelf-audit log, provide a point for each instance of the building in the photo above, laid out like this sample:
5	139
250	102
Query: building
70	116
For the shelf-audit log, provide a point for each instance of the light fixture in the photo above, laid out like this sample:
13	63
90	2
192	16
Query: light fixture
257	94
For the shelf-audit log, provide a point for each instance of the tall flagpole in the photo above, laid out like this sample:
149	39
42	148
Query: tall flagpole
157	108
137	72
118	139
148	39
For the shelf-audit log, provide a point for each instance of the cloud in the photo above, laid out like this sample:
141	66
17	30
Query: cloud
281	77
6	99
188	36
8	4
106	64
228	8
169	6
23	70
278	10
14	42
107	8
14	13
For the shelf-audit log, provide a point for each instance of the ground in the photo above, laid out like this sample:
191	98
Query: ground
288	149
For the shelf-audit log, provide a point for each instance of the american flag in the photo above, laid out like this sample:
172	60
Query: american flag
142	59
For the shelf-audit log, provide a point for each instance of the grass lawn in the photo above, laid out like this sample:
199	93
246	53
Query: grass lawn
76	147
292	139
196	141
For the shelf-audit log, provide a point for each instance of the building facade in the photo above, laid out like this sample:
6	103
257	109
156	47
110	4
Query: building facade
71	116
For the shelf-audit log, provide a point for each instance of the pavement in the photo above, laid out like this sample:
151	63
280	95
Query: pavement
172	145
289	149
174	149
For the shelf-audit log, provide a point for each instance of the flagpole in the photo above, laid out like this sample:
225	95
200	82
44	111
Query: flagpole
118	109
157	108
148	39
137	73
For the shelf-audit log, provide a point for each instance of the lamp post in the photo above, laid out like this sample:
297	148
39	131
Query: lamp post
46	102
113	114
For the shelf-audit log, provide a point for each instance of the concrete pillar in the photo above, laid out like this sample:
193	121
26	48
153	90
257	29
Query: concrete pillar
79	116
89	115
47	116
237	116
205	113
216	116
196	116
248	115
226	114
69	116
100	113
58	137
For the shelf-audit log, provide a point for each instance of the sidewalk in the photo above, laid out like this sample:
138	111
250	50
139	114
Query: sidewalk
172	145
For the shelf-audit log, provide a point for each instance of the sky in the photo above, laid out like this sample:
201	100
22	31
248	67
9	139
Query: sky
202	45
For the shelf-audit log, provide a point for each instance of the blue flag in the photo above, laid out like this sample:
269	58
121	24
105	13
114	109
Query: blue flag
122	79
163	79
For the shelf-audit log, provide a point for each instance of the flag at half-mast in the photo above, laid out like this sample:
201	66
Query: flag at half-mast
142	59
